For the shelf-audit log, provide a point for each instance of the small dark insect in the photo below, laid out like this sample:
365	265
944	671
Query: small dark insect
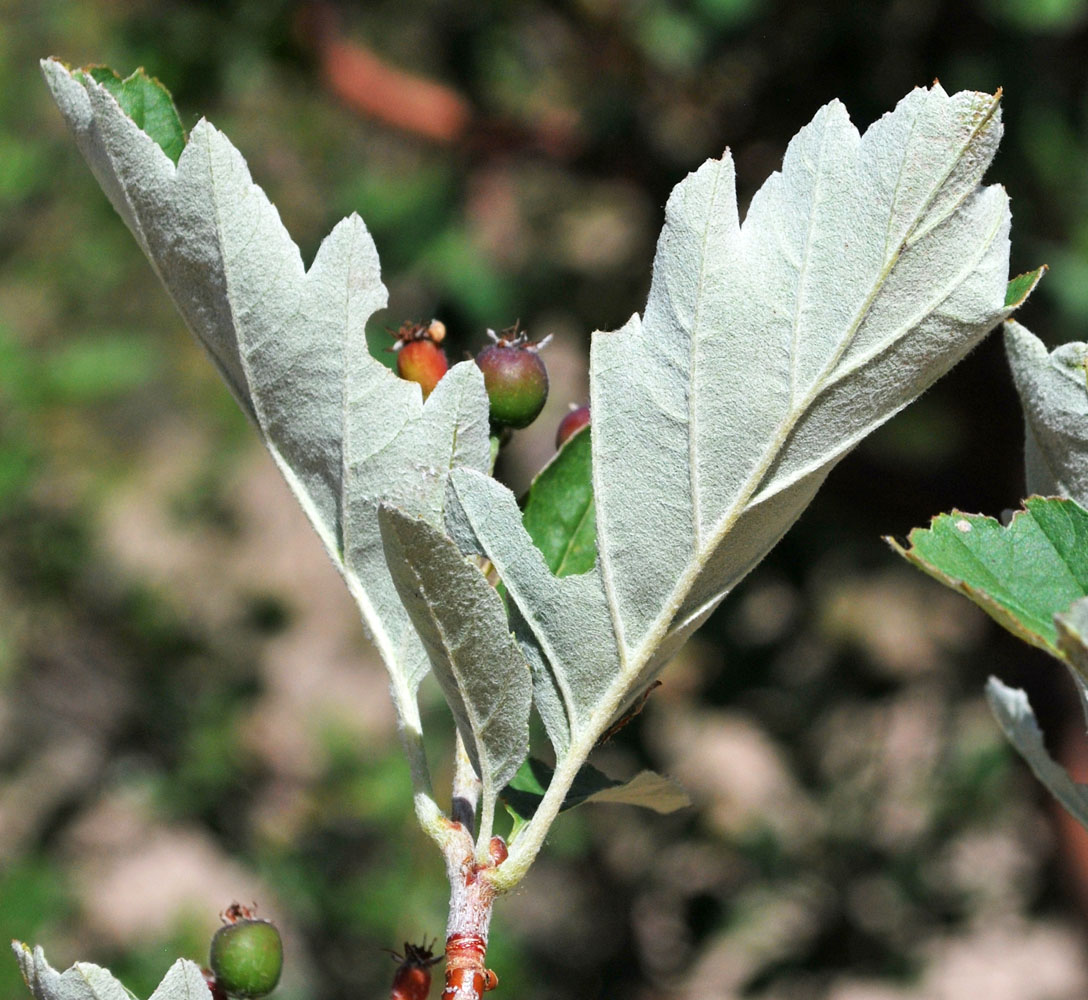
412	980
627	716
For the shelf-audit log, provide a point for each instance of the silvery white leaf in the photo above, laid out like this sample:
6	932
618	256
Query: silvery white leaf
562	623
344	430
1013	712
462	622
863	272
84	981
1053	390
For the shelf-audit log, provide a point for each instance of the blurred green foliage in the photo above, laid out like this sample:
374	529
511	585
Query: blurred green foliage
142	632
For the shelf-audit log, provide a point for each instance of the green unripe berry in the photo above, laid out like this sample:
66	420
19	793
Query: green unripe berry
516	382
247	958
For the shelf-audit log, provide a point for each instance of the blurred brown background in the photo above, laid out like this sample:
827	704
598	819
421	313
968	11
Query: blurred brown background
189	711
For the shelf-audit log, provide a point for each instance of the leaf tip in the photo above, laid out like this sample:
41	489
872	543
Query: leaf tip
1019	288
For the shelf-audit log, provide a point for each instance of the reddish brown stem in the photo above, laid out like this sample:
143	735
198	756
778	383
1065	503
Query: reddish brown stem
471	899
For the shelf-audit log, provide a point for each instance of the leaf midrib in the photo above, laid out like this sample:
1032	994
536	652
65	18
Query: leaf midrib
630	664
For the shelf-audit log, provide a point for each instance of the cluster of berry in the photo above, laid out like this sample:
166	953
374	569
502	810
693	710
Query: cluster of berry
514	373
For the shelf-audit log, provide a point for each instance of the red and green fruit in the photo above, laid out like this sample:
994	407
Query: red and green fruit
516	381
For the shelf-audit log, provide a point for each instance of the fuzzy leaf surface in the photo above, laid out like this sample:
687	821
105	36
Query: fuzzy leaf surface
1021	575
863	271
290	342
562	623
559	512
84	981
462	622
1053	390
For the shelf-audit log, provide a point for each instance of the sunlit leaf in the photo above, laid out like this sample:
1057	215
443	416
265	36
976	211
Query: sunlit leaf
864	270
462	622
84	981
1021	575
290	342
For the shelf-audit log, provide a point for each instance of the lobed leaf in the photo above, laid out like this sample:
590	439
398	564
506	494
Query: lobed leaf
864	270
84	981
1053	390
346	433
462	622
1021	575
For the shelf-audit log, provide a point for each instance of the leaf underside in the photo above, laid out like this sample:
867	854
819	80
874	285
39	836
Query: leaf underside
864	270
84	981
1021	575
462	622
290	342
1053	389
1013	713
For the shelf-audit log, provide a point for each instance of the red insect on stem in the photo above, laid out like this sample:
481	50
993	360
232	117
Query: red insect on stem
412	980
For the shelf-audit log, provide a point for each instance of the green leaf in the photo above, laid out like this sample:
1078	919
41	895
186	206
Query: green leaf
647	789
560	514
147	102
476	660
1020	287
84	981
1021	575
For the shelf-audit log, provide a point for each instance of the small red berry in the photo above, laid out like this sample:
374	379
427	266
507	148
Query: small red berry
573	421
515	378
419	358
